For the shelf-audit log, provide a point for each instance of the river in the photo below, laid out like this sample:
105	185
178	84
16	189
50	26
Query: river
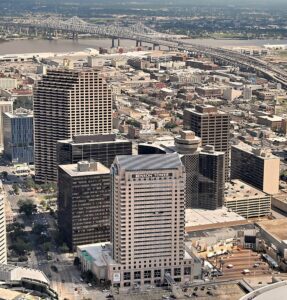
57	46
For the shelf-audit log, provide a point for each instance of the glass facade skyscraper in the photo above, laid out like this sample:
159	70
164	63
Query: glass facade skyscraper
18	136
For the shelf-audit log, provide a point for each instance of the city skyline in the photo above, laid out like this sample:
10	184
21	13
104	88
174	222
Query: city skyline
143	149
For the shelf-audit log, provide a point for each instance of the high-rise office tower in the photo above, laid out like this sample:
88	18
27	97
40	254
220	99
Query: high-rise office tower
3	242
212	126
19	136
102	148
187	145
5	106
257	167
84	203
148	219
67	103
211	178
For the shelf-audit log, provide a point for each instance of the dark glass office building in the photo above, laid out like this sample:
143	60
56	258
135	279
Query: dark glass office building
211	178
102	148
18	136
84	203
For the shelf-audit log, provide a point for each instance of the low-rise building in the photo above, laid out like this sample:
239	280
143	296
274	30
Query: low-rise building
274	240
10	273
209	92
246	200
274	122
279	201
98	257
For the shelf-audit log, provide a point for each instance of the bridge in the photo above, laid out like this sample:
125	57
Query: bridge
142	33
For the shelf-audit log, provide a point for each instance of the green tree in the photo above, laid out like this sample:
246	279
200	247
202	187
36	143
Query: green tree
16	232
22	258
58	238
77	261
15	226
43	238
88	275
38	228
46	246
64	248
29	183
15	188
28	207
20	247
134	123
170	125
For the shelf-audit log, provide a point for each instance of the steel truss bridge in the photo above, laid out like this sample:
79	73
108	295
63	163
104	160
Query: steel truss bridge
142	33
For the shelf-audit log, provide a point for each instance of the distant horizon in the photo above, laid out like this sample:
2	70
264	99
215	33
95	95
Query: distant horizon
259	3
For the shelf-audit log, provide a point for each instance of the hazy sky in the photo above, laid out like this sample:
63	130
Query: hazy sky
172	2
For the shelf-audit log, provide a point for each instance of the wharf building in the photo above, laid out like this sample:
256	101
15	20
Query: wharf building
257	167
101	148
84	203
212	126
18	136
67	103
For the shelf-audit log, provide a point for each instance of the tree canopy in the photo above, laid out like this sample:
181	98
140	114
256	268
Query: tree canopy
27	206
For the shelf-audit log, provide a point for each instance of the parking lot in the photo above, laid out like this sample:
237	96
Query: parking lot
239	260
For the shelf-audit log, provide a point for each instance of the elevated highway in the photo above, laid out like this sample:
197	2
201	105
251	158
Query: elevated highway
141	33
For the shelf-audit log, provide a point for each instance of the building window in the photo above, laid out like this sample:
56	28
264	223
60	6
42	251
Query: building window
147	274
137	275
167	271
177	271
127	276
157	273
187	270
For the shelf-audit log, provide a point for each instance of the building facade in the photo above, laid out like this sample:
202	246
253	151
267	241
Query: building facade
148	235
3	240
211	178
84	203
67	103
7	83
5	106
203	166
246	200
257	167
187	145
19	136
212	126
102	148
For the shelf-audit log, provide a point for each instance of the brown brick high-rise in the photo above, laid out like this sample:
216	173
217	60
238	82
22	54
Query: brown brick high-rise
67	103
212	126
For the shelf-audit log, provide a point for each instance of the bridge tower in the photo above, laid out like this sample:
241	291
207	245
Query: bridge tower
114	39
155	45
138	43
75	35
